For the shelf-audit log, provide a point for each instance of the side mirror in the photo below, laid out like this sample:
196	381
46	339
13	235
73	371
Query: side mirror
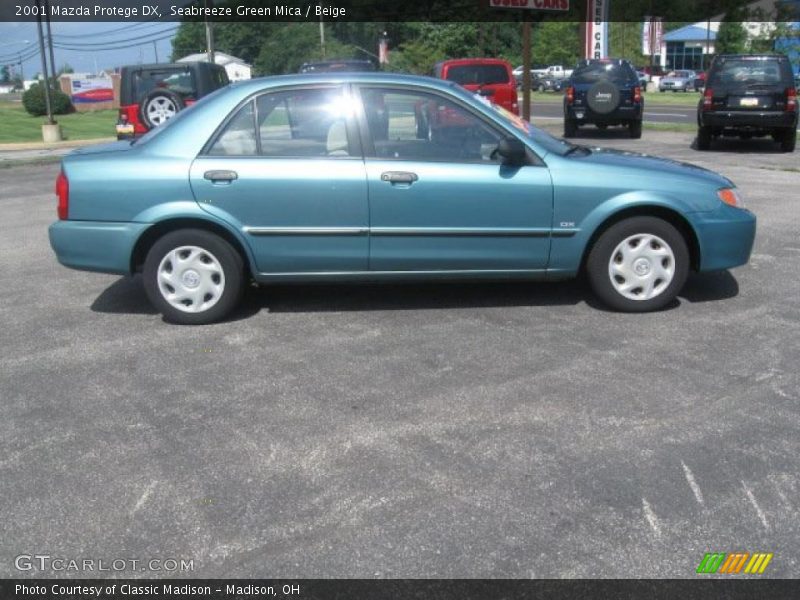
512	151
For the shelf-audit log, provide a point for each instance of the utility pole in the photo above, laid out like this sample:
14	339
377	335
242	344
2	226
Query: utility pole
50	41
209	36
44	65
526	68
322	36
155	49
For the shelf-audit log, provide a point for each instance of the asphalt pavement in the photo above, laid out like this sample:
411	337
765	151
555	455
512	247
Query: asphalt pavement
460	430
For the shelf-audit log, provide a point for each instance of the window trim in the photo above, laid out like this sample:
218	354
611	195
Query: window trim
353	135
368	145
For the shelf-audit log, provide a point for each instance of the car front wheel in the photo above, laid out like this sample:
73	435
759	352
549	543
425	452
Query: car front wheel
638	265
193	277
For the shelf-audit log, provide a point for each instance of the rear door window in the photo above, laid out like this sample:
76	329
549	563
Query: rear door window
749	73
180	81
615	73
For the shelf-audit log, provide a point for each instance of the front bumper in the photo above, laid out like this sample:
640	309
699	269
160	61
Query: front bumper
725	236
740	119
100	246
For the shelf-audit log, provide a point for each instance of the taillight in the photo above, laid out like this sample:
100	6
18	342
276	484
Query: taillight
62	191
570	95
791	100
637	94
708	98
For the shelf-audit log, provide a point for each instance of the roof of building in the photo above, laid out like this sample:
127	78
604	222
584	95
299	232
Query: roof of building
690	33
219	57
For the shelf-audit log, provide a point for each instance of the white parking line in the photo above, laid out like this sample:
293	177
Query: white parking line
655	114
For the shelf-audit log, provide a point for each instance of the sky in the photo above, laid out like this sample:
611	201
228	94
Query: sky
13	35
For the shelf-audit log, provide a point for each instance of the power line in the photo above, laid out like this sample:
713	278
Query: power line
104	47
108	31
110	43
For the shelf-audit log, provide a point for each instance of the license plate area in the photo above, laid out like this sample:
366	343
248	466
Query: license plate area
748	102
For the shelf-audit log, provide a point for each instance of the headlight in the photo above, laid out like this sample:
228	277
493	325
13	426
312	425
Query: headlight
731	196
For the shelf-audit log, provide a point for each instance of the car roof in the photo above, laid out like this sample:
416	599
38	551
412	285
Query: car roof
341	77
173	65
473	61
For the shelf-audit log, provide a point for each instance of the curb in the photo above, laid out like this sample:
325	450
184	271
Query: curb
53	146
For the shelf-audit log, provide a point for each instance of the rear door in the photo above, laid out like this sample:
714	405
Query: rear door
748	84
287	170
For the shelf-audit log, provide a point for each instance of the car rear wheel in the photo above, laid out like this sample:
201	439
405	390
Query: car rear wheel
788	140
193	277
570	128
638	265
159	106
703	138
635	129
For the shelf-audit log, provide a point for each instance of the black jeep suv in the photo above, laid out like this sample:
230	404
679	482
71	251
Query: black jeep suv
747	96
603	92
152	94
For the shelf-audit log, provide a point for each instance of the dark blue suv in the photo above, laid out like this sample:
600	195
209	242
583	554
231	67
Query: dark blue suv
603	92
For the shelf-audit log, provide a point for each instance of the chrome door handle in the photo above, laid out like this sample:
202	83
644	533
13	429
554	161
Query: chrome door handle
220	176
399	177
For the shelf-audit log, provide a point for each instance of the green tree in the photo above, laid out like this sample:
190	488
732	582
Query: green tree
5	74
732	36
289	46
556	43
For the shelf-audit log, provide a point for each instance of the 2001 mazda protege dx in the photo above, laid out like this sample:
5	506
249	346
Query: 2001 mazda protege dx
365	176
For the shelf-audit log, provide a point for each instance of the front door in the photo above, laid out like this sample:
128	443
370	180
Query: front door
439	200
287	170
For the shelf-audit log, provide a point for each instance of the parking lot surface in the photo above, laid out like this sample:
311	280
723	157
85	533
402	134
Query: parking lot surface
460	430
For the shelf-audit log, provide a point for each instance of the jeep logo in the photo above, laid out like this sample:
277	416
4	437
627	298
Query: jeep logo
603	96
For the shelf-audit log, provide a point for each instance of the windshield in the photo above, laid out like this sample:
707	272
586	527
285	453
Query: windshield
540	137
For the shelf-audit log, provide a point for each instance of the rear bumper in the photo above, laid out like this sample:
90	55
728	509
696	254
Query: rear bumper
725	236
95	245
738	119
584	114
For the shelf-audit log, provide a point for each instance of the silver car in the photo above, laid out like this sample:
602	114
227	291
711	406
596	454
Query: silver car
677	81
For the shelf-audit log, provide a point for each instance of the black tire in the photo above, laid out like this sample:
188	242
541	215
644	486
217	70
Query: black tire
789	140
570	128
703	138
157	97
601	254
635	129
230	261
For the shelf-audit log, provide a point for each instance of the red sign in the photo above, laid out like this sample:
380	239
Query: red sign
559	5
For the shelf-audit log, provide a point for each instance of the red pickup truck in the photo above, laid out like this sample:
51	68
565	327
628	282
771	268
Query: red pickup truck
489	77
